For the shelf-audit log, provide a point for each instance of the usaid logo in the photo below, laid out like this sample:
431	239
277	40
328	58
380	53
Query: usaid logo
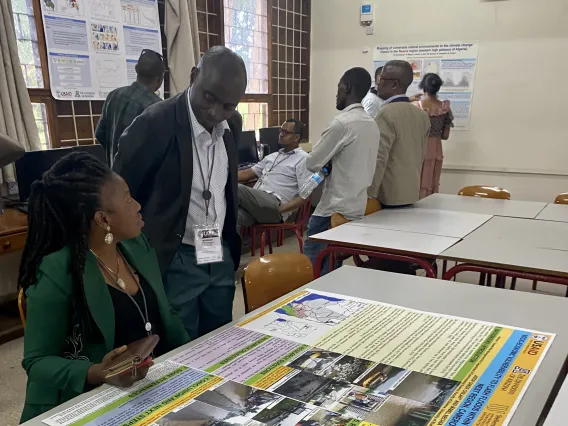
64	94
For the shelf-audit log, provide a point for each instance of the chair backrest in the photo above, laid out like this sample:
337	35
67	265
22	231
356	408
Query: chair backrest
303	214
373	206
485	192
561	198
267	278
22	306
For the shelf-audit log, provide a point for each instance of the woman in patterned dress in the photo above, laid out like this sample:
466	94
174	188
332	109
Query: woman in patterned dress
441	119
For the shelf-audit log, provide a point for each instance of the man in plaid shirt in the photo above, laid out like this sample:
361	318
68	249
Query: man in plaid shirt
123	105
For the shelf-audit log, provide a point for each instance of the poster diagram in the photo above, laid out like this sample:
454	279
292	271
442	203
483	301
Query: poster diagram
321	309
454	62
103	37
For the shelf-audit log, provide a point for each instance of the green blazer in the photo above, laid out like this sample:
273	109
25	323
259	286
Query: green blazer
56	354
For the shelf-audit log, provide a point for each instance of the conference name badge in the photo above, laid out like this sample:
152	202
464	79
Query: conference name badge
208	246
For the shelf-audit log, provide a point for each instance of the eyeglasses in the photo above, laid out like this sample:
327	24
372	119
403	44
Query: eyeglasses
285	132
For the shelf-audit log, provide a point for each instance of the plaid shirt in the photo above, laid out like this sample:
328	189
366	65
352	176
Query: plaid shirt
121	107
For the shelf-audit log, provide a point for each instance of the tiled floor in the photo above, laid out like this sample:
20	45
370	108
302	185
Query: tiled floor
14	378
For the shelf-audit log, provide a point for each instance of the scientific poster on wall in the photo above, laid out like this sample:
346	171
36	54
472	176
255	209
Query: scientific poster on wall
93	45
454	61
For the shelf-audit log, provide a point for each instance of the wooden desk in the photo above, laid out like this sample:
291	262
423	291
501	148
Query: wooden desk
13	233
506	208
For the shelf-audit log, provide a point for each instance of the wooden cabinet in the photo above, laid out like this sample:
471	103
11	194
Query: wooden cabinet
13	234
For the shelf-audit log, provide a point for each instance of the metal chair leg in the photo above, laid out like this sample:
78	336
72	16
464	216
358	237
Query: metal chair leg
262	242
253	242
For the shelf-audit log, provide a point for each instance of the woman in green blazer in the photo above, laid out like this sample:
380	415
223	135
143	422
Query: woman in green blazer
92	283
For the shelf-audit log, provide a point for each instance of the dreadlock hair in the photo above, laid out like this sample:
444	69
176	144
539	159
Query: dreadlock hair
62	206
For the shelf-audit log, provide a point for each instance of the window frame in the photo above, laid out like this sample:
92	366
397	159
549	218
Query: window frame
259	97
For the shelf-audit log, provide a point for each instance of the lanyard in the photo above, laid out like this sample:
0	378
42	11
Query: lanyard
206	194
276	163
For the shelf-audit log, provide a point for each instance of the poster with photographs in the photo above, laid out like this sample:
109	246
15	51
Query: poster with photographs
93	46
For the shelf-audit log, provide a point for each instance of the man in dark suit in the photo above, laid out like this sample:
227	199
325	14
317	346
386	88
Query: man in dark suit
180	160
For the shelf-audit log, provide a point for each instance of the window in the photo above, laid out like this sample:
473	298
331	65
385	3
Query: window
40	115
246	33
28	44
255	115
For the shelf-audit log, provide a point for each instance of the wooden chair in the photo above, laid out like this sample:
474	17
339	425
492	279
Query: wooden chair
22	306
373	206
265	279
485	192
298	226
561	198
338	219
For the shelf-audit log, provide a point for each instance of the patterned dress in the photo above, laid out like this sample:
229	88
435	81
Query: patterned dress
440	118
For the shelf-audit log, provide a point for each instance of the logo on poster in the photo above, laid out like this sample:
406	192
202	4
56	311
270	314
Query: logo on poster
64	94
521	370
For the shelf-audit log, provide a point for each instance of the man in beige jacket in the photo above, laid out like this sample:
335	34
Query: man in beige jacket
404	132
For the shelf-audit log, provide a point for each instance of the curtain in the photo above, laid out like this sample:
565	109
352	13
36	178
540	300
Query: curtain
182	42
16	113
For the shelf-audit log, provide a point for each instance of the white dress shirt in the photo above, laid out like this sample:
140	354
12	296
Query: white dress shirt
372	104
202	145
351	143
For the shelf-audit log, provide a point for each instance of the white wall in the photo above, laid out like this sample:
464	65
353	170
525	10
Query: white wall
518	136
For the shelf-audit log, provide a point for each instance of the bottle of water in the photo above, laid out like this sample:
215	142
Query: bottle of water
313	183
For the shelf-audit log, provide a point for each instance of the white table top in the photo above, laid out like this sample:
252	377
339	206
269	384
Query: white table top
555	213
559	412
386	239
510	308
510	256
507	208
523	233
425	221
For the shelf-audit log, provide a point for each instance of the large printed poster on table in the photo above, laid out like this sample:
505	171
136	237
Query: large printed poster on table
322	359
93	45
455	62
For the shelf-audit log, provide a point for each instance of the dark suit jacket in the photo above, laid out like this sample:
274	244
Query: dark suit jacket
155	157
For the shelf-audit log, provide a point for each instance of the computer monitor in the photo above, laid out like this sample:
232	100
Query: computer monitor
33	164
248	151
270	136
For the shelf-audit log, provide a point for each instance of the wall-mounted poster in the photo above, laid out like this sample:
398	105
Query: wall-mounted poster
93	46
455	62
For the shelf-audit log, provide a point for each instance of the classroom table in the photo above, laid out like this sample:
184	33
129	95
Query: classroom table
558	414
443	223
528	311
523	233
410	247
554	213
519	248
507	208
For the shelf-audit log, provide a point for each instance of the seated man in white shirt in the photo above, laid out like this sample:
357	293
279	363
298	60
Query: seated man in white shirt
280	175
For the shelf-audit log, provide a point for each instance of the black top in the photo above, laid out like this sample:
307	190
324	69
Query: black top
129	326
156	161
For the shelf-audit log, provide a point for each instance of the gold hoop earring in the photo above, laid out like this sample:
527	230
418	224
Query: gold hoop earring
109	238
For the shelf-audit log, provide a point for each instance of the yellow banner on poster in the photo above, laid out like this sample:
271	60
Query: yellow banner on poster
509	391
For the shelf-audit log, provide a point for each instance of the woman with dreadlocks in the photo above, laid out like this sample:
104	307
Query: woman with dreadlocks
92	283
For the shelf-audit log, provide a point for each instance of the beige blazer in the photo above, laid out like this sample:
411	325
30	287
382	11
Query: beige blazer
404	134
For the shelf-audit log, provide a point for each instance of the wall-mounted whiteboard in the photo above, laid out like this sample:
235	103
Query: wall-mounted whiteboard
94	45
